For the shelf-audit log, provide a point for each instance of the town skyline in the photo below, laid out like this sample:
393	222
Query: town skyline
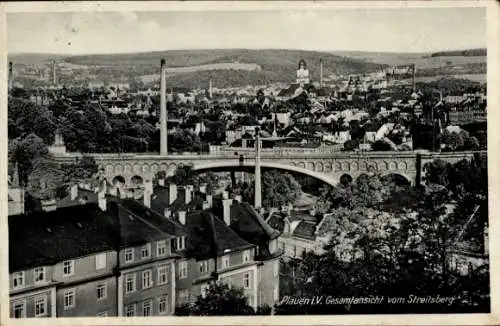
367	30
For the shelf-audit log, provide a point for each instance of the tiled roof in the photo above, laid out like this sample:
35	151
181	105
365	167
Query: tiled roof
276	221
84	196
305	229
165	224
209	236
250	225
44	238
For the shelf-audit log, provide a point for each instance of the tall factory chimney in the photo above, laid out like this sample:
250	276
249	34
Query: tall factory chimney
413	77
321	72
11	76
210	89
54	73
163	108
258	185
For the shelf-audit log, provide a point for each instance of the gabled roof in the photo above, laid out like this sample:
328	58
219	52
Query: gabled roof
44	238
250	225
306	230
209	236
83	196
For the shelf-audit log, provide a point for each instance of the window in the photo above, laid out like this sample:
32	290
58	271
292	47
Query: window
39	274
18	280
130	283
181	243
20	309
68	267
40	306
183	269
69	299
173	244
100	261
246	256
102	314
147	308
130	310
246	280
163	304
146	251
276	268
225	261
203	267
129	255
163	274
102	291
161	248
147	279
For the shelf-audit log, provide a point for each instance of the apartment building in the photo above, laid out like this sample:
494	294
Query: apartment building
93	254
228	241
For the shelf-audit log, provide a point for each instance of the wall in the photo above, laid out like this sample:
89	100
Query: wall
268	281
29	299
86	302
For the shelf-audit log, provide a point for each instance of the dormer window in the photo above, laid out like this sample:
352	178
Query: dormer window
39	274
146	251
18	280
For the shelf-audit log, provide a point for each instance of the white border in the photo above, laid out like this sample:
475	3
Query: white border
493	9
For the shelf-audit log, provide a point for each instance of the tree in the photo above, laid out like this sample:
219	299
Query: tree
351	145
219	300
381	146
25	152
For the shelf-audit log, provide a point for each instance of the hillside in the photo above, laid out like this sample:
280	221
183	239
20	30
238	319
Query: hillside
191	68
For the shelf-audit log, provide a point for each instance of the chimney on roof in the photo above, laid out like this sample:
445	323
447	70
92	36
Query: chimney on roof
167	213
182	217
49	205
238	198
147	198
205	205
101	200
188	193
172	193
74	192
226	210
209	200
225	195
203	188
161	182
148	186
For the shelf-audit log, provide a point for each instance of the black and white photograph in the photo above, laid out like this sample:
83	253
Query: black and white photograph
235	162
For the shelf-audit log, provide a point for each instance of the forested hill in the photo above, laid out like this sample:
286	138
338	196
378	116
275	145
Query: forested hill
229	67
461	53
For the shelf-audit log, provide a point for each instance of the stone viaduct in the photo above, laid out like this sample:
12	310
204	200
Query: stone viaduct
134	169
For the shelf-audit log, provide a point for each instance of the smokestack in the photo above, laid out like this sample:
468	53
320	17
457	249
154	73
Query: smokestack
413	78
11	76
147	198
163	109
321	72
258	187
210	89
54	73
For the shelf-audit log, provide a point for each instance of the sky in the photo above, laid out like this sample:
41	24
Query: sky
373	30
